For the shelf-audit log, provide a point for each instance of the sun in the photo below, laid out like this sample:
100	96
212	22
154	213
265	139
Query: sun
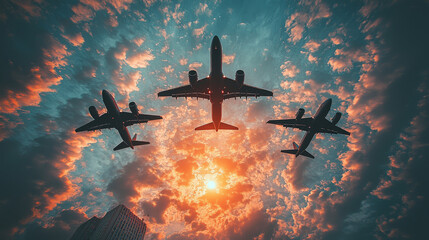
211	184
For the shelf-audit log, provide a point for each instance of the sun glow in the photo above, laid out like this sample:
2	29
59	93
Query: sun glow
211	184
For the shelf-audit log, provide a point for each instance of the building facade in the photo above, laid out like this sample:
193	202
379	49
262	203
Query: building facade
118	223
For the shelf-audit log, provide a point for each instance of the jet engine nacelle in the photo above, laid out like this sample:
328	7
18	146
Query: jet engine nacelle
193	78
300	113
239	78
94	113
133	108
336	118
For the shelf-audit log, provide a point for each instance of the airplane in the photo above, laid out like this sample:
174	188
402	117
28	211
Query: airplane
312	125
216	87
114	118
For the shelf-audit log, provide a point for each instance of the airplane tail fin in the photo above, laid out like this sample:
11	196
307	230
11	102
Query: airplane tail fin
295	150
123	145
211	126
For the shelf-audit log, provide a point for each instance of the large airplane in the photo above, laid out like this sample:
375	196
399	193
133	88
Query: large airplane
117	119
216	87
312	125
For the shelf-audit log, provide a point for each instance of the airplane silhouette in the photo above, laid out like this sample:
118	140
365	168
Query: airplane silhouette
216	87
313	125
114	118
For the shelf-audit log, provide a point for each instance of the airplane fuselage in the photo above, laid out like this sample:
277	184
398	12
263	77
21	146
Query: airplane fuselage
216	81
114	113
315	125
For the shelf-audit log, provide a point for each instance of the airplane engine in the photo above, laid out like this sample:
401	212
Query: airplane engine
94	113
300	113
133	108
239	78
193	78
336	118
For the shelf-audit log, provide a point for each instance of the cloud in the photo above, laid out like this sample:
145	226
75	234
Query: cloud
312	59
312	46
32	78
183	61
120	5
128	83
44	182
140	59
77	39
228	59
195	65
198	32
82	13
203	8
60	227
155	209
256	225
289	70
133	176
297	22
344	62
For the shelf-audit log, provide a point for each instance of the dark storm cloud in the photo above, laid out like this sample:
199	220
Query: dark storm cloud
255	225
34	174
60	227
134	174
25	47
404	52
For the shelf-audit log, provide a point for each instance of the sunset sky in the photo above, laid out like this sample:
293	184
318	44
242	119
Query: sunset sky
370	57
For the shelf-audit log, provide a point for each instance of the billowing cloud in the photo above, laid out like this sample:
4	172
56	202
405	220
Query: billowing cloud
76	40
312	46
198	32
139	59
289	70
44	183
216	185
82	13
37	77
228	59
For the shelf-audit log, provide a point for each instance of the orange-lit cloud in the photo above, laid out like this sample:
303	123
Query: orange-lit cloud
40	79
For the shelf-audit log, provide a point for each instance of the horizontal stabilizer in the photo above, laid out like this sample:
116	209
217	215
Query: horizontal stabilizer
208	126
211	126
292	151
227	126
123	145
295	150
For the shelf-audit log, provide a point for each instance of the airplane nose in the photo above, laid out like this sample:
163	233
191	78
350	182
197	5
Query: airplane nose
215	42
329	101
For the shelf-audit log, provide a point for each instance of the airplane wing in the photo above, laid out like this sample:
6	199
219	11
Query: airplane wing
245	91
328	127
302	124
100	123
130	119
199	90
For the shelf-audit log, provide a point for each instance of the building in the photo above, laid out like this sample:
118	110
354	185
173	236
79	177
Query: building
84	231
118	223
